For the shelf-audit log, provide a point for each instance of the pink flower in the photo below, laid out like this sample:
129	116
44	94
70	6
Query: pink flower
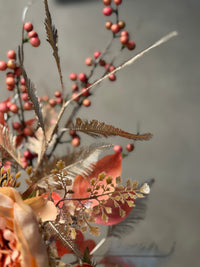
20	241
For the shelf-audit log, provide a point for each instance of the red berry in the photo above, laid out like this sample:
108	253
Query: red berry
76	141
22	81
25	97
32	34
11	64
3	107
59	100
86	102
10	81
74	87
11	54
24	162
121	24
124	33
102	62
23	89
3	65
108	25
10	74
111	68
28	155
107	2
85	92
115	28
82	77
27	131
75	97
28	26
16	125
107	11
73	76
18	71
124	39
10	87
117	149
72	133
88	61
52	102
35	41
97	54
57	94
117	2
112	77
130	45
28	106
14	108
130	147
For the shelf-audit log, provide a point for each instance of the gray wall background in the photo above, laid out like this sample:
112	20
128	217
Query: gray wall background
160	92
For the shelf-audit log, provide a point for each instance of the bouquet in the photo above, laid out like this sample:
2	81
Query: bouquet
44	217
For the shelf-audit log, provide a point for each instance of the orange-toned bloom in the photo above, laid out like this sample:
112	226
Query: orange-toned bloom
20	241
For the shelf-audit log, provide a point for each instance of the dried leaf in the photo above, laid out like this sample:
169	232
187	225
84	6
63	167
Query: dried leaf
95	128
7	143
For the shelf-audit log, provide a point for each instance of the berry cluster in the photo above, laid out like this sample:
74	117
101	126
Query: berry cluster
32	35
118	25
118	149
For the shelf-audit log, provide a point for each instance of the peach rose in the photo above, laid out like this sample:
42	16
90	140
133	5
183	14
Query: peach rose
21	244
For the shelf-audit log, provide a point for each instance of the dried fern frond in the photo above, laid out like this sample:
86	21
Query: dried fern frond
137	214
59	232
7	142
52	38
83	163
95	128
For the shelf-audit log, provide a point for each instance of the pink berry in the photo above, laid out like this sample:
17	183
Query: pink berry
14	108
82	77
115	28
108	25
28	155
11	54
3	65
117	2
85	92
10	81
111	68
117	149
112	77
27	131
76	141
124	33
28	106
74	87
107	11
130	147
130	45
52	102
22	81
107	2
73	76
75	97
88	61
35	41
25	97
16	125
57	94
86	102
59	100
124	39
32	34
97	54
28	26
3	107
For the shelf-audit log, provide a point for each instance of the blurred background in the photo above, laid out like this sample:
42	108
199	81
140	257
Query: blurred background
160	93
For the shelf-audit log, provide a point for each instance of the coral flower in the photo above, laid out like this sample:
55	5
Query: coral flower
20	241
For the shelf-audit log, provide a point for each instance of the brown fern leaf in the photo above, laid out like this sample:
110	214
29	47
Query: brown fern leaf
32	93
52	38
58	231
7	142
95	128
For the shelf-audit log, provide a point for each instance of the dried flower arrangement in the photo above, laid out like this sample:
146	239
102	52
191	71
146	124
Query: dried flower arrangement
69	195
